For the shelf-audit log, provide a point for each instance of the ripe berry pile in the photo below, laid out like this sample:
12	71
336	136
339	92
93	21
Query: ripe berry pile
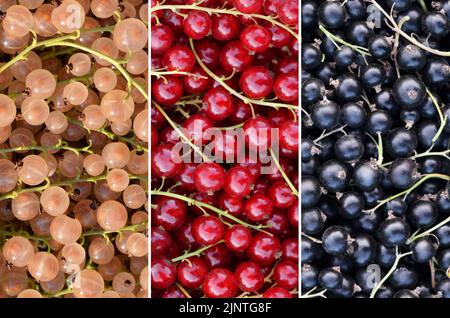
73	147
224	80
375	149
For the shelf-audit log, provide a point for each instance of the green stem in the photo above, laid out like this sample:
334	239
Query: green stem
361	50
200	204
418	183
309	294
427	153
194	253
60	146
59	294
442	119
161	74
380	149
131	228
285	177
324	135
223	11
429	231
393	268
231	90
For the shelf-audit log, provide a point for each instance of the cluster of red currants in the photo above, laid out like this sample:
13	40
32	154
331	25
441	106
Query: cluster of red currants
73	142
224	84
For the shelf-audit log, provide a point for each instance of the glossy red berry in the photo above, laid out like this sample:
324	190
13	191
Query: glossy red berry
169	213
257	131
217	256
237	238
286	87
238	181
234	56
249	276
173	292
217	104
277	223
256	82
281	195
195	128
163	273
160	241
167	91
220	283
173	20
248	6
255	38
293	215
209	177
241	112
258	208
191	272
162	39
185	177
208	198
289	135
226	146
224	27
285	275
184	238
197	24
207	230
164	162
208	52
288	12
289	250
179	58
279	36
276	292
264	249
234	206
197	83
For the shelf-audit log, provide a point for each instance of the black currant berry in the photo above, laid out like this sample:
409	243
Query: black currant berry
325	114
401	142
353	115
334	176
332	14
393	232
423	250
310	191
403	173
349	148
313	220
335	240
409	91
351	205
330	278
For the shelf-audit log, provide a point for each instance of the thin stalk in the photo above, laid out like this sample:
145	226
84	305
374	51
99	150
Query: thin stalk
194	253
361	50
428	232
391	270
285	177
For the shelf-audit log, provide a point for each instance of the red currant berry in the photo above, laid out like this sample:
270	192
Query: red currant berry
234	206
185	177
279	36
172	292
249	276
217	256
270	7
169	213
277	222
237	238
226	145
164	162
209	177
286	65
261	186
258	208
281	195
289	135
279	116
207	230
154	137
285	275
276	292
289	250
169	136
220	283
191	272
264	249
286	87
255	38
248	6
241	113
293	215
197	24
288	12
179	58
238	182
160	241
208	52
167	91
163	273
162	39
252	165
157	119
256	82
234	56
197	83
217	104
205	198
257	131
195	127
173	20
224	27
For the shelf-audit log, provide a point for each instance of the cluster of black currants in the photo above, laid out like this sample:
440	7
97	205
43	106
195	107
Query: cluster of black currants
375	142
